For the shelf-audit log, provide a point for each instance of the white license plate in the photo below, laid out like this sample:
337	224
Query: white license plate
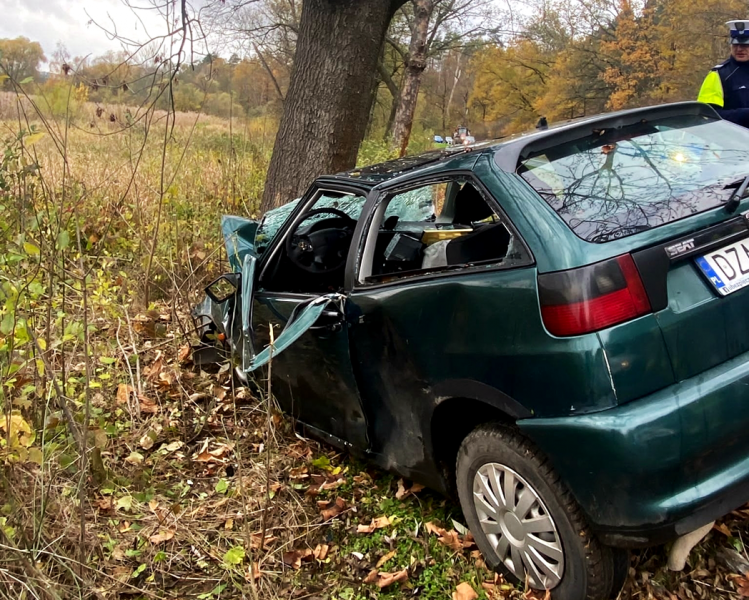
727	268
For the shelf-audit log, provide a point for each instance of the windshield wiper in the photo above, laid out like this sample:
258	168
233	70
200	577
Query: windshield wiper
733	202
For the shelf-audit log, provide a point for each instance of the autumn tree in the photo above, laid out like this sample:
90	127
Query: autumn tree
434	27
20	59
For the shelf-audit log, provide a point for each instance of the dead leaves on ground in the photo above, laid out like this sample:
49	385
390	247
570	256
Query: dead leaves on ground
164	535
384	580
295	558
378	523
452	539
403	491
464	591
330	510
217	453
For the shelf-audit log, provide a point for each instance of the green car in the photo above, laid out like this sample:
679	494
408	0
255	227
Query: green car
554	327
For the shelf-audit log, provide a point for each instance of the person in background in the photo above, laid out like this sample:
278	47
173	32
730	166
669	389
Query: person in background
726	86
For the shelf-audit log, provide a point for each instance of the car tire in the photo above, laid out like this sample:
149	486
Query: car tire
550	538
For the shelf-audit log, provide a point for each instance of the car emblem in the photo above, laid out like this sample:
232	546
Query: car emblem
680	248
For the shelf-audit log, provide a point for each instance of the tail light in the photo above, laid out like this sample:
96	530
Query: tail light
593	297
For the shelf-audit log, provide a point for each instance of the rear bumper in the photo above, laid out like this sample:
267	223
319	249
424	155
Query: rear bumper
661	466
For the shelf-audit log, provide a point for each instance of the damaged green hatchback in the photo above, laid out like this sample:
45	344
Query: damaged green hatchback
555	326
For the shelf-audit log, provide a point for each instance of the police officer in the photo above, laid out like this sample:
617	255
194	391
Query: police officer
726	86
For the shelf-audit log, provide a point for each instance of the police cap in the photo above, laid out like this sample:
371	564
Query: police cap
739	31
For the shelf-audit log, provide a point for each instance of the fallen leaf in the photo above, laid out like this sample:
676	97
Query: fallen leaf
435	529
335	510
386	579
298	473
153	504
295	557
135	458
184	353
321	551
464	591
104	503
403	491
385	558
229	524
146	442
452	541
172	446
723	529
161	536
124	503
255	540
147	405
378	523
255	571
123	393
371	577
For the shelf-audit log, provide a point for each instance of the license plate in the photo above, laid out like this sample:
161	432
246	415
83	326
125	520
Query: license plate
727	268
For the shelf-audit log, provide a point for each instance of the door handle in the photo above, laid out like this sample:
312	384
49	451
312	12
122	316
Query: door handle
331	320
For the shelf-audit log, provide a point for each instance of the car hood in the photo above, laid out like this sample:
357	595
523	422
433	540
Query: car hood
244	236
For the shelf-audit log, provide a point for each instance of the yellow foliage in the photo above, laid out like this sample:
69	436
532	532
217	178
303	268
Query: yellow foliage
21	434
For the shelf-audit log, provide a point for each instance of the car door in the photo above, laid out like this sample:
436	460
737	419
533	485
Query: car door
456	330
312	378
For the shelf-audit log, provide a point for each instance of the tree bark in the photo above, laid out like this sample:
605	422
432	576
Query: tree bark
328	100
416	62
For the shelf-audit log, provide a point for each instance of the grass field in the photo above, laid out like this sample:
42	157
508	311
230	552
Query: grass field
128	473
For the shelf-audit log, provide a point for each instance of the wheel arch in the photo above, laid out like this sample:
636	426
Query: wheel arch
463	405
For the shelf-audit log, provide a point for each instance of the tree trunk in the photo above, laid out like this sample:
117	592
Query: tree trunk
452	89
328	100
416	62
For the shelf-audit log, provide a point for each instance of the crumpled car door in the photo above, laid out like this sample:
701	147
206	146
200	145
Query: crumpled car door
299	322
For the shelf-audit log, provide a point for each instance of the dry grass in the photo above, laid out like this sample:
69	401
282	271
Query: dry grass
189	487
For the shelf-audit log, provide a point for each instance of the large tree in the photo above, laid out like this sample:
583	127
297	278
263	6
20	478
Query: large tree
329	98
19	59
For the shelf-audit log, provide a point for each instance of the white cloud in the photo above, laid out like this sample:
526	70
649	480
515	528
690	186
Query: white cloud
78	23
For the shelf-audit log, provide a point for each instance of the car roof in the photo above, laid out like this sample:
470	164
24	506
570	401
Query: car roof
508	151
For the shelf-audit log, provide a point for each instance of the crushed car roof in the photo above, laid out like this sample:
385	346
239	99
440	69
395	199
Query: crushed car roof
510	150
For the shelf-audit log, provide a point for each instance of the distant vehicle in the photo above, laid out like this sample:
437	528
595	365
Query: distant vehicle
449	140
555	326
438	139
460	134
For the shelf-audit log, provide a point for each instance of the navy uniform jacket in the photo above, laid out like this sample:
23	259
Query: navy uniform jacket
726	87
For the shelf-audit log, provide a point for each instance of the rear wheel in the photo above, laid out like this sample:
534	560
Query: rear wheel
524	520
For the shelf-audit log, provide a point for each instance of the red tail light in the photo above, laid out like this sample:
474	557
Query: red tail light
591	298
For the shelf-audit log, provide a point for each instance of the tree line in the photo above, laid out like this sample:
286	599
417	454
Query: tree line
436	64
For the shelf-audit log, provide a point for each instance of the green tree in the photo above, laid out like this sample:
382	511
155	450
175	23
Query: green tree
20	59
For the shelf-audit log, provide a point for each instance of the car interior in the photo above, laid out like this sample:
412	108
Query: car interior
433	227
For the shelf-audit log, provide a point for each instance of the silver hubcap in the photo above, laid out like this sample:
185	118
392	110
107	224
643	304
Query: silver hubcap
518	526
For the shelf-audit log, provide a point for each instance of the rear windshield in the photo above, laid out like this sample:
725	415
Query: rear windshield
618	182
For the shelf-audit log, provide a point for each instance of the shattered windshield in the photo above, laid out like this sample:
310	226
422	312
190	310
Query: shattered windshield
617	182
274	219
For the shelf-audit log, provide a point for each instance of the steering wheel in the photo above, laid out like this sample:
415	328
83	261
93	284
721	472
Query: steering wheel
323	250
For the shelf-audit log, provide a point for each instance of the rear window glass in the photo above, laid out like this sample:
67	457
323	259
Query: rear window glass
621	181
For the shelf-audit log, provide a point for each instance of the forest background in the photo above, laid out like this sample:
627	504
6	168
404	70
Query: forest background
127	472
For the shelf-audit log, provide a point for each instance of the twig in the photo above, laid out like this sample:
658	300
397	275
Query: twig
87	415
240	478
264	517
130	373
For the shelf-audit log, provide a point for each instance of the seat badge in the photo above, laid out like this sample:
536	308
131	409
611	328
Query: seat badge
680	248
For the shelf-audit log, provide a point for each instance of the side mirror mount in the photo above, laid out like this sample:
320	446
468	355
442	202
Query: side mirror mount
223	288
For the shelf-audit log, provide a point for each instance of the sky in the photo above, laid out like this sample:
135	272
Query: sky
69	22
